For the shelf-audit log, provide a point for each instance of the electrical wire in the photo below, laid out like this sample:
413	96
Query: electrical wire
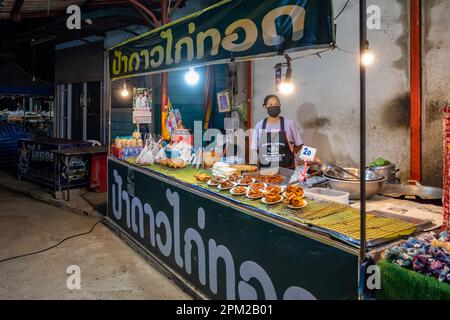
55	245
320	52
168	9
345	50
342	10
314	53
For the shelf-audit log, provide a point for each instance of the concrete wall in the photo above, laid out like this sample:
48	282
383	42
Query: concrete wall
436	85
326	100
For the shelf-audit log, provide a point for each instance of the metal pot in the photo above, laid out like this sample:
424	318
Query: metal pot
386	171
374	183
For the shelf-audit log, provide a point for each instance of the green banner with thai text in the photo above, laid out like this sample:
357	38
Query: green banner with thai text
230	30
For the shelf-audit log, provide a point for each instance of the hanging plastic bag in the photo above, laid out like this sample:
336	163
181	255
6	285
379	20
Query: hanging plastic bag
300	175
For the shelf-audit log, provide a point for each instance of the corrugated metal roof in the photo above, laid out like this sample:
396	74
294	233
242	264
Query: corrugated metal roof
47	8
6	8
36	6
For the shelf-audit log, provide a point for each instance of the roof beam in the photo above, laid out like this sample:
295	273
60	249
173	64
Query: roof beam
41	14
15	13
175	7
154	21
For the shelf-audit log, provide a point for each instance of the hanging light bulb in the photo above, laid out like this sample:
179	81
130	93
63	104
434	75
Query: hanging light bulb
287	86
191	77
367	58
125	91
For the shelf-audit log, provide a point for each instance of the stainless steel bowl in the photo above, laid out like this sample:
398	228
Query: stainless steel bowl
388	171
370	175
374	183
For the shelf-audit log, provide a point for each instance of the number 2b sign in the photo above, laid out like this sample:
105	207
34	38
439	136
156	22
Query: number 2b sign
308	153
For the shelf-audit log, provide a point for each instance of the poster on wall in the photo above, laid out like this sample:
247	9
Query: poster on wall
142	105
223	101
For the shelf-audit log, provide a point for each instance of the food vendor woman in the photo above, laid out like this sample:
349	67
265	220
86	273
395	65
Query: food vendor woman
276	139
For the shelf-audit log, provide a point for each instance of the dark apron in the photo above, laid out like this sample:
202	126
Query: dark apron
273	153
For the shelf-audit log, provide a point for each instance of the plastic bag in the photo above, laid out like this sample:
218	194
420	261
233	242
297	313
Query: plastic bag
148	154
300	175
161	155
184	150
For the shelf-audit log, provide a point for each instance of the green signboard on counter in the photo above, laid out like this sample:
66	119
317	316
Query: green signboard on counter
231	29
224	252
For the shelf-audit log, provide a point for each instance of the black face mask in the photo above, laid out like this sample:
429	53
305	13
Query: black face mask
274	111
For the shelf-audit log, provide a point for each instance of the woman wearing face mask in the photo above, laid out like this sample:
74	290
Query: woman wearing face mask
275	138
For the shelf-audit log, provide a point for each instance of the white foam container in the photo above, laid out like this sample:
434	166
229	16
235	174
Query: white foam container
328	195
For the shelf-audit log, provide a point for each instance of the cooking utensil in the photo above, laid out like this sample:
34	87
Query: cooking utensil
342	172
412	189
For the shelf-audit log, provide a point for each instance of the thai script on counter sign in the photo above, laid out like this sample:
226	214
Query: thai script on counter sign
40	155
179	245
194	43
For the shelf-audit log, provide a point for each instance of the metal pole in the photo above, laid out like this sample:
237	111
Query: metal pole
164	75
363	45
108	100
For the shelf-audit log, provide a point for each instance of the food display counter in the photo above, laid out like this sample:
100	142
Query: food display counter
232	247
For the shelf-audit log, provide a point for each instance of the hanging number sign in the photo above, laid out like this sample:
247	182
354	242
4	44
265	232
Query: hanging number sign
308	153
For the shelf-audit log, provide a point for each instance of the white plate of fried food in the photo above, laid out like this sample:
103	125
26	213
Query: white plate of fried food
258	185
246	180
238	191
274	179
234	178
214	182
225	185
255	193
293	190
277	189
295	202
272	198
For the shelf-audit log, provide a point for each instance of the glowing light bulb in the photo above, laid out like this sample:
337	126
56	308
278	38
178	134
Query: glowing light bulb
125	91
191	77
286	87
367	58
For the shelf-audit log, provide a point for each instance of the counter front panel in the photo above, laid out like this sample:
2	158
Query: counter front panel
223	252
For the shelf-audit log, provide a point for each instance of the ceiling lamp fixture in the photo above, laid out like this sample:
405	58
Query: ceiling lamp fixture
284	84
